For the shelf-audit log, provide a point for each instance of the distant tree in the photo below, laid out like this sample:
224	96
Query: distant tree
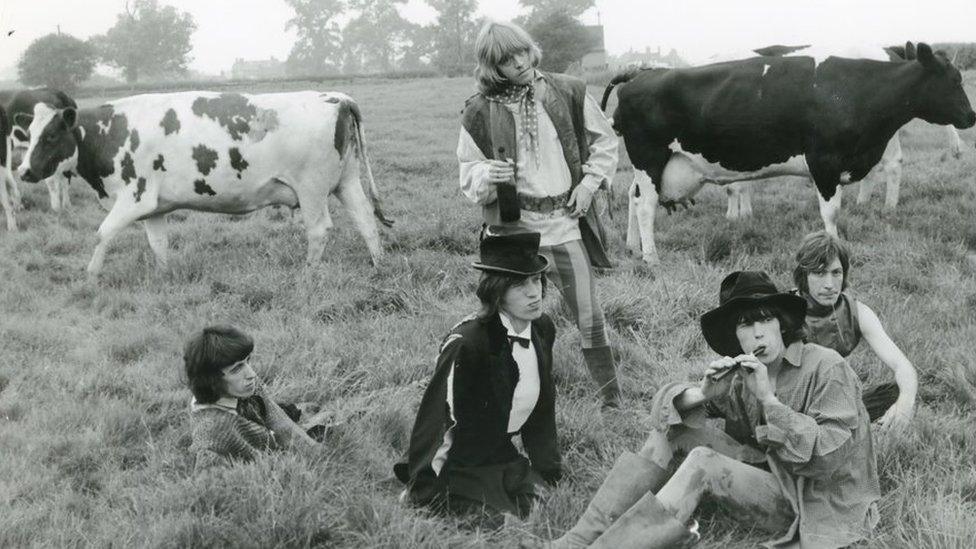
562	38
318	49
57	60
419	49
149	40
454	34
540	9
375	37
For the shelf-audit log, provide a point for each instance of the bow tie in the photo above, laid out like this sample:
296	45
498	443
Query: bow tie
523	341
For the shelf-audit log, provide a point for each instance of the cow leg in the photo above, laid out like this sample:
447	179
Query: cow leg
892	166
158	236
633	230
733	191
829	210
745	200
16	198
315	213
64	186
122	214
645	207
867	187
54	192
8	208
955	143
351	193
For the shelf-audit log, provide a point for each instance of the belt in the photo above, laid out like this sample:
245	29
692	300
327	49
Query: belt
543	204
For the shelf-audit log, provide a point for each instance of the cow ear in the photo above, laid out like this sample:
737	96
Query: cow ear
23	119
70	117
910	54
926	57
896	53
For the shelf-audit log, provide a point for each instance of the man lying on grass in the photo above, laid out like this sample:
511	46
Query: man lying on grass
231	417
795	459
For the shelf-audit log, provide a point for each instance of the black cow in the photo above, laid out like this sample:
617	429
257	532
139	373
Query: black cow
769	116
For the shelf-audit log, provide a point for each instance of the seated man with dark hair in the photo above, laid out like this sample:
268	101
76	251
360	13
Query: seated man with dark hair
231	417
795	459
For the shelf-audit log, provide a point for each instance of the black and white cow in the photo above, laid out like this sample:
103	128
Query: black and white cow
770	116
20	109
212	152
889	167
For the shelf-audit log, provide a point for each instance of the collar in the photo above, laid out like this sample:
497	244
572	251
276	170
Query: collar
794	354
507	324
226	404
815	309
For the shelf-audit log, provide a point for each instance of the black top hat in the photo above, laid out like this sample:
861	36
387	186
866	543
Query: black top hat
513	253
739	291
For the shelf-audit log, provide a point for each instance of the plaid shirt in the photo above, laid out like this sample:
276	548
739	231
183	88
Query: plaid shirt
817	442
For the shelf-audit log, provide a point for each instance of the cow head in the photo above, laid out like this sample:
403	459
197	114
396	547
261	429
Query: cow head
52	146
941	98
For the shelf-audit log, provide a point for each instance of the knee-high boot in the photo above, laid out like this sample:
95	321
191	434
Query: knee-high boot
599	361
647	525
630	478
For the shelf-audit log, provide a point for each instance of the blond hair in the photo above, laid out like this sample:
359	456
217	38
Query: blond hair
497	42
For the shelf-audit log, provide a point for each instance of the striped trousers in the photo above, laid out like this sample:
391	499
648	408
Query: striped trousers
571	274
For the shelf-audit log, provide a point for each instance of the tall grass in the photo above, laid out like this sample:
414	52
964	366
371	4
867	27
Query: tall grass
93	419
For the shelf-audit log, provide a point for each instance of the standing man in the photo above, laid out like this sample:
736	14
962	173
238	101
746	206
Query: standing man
533	150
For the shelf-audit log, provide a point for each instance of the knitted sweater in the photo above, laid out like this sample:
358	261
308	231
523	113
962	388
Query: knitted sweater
221	435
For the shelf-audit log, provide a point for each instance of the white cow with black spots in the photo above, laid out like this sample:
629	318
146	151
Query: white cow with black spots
214	152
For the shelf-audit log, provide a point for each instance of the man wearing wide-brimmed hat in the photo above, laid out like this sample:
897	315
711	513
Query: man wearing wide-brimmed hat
795	459
493	380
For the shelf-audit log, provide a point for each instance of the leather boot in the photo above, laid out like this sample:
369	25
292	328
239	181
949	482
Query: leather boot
599	361
647	525
630	478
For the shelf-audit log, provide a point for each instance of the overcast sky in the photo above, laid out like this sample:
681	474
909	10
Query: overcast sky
254	29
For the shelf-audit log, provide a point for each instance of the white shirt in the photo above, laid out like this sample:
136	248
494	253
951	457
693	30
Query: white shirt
526	393
549	174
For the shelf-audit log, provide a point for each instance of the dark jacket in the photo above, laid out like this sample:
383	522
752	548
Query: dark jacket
492	127
479	354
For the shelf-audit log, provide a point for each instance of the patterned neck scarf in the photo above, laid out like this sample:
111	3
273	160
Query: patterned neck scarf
524	95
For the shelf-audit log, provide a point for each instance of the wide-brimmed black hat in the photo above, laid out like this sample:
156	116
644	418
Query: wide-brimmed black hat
741	290
511	253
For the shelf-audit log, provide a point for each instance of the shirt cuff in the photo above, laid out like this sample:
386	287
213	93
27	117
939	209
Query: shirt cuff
668	414
778	417
770	435
592	182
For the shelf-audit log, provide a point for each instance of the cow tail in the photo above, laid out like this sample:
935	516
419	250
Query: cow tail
364	158
621	78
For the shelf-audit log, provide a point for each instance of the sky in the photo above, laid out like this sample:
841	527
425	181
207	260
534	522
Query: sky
698	29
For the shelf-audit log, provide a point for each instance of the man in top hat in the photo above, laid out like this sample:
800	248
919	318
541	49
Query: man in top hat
492	381
795	458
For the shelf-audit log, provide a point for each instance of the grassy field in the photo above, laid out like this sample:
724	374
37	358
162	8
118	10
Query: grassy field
93	410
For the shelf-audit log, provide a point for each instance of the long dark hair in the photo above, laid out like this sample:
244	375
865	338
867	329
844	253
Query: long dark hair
492	287
792	329
816	252
205	356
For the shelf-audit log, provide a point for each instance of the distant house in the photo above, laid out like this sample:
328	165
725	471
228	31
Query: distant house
257	69
595	59
647	58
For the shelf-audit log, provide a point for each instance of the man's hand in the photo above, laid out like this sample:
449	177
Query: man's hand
579	202
500	171
755	377
897	419
711	388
